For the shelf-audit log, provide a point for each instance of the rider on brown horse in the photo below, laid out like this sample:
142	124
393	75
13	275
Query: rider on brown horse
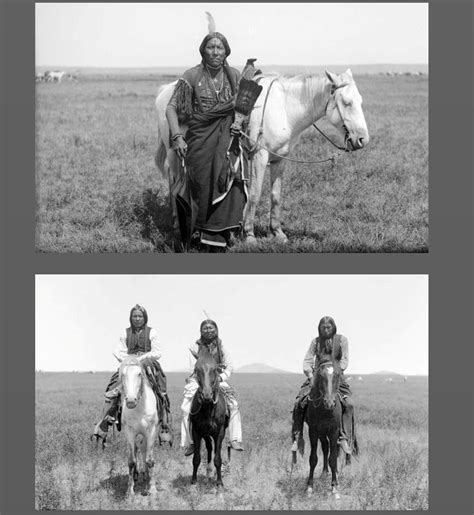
213	344
328	345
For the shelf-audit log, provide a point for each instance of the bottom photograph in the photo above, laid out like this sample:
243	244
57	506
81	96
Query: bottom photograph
231	392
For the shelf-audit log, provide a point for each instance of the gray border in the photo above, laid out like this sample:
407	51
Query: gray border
449	262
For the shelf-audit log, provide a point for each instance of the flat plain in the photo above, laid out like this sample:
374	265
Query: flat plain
391	472
98	189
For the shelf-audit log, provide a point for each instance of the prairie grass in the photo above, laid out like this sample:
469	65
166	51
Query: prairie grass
98	189
391	472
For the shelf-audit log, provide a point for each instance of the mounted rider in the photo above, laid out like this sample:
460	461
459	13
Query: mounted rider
211	341
333	346
142	341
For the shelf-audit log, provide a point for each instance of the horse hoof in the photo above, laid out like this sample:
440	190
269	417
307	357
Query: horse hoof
280	237
336	496
250	239
309	491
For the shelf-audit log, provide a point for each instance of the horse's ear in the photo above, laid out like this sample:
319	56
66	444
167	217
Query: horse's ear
348	72
332	77
194	353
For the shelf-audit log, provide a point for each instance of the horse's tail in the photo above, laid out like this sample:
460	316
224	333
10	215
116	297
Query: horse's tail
161	152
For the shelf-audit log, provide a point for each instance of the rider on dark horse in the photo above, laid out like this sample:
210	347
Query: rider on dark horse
141	340
335	347
211	341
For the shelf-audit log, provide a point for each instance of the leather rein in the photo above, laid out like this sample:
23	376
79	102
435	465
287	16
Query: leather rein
214	399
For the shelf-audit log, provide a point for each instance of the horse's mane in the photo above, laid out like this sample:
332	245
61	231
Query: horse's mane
129	360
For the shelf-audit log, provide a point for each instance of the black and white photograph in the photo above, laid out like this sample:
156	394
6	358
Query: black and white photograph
231	127
256	392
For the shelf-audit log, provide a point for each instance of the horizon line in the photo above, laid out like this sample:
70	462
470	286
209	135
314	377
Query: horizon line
182	371
260	64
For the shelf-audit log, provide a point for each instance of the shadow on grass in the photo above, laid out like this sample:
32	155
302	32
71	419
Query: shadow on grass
118	484
149	213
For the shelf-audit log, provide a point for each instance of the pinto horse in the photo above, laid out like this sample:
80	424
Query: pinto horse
323	416
140	420
208	416
285	108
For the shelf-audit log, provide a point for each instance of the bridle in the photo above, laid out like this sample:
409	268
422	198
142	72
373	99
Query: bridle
215	395
346	135
317	402
140	391
254	144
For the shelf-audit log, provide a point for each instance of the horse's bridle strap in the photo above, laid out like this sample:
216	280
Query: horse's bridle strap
333	92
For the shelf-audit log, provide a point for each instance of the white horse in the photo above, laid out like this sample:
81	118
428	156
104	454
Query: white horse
284	109
139	420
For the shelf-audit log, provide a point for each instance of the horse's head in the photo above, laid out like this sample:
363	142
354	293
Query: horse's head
344	110
131	378
325	385
206	371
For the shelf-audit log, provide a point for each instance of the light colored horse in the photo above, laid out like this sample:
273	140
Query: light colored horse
284	109
139	420
56	76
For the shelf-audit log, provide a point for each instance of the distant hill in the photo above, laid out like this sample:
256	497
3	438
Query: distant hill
259	368
385	373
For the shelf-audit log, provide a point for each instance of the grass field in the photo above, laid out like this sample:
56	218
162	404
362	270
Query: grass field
390	474
98	189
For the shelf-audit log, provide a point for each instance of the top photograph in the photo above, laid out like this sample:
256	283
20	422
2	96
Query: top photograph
231	128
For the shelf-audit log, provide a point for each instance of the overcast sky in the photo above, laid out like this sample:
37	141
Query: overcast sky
169	34
267	319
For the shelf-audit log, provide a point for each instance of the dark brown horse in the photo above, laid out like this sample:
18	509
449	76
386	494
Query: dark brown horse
208	416
323	417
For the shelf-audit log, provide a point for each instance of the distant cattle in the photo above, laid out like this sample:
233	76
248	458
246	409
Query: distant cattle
405	379
359	378
348	379
40	77
389	380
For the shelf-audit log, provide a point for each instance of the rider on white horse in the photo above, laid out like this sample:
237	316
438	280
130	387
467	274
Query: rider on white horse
141	340
210	339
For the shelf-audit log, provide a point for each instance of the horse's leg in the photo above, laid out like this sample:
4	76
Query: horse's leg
218	457
208	441
132	468
325	447
196	456
150	462
313	458
276	174
333	439
257	174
